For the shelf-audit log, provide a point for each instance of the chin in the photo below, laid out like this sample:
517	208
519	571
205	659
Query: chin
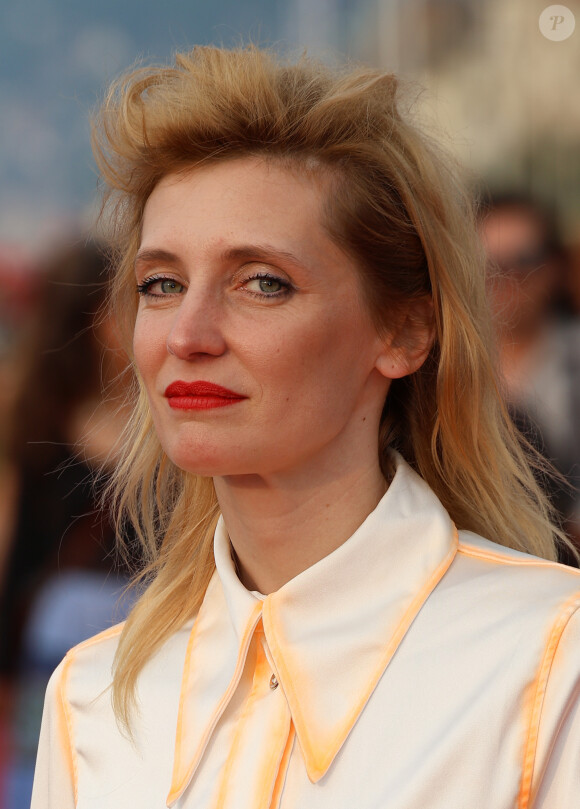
206	461
207	467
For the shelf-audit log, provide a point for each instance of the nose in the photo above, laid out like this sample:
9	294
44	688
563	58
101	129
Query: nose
196	330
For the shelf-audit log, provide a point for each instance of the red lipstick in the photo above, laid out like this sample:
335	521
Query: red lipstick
200	395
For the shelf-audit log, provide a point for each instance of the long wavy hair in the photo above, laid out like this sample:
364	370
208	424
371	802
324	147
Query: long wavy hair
396	206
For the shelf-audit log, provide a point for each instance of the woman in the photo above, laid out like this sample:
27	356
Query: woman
301	283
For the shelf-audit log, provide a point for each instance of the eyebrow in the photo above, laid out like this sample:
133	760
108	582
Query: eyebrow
260	251
242	252
153	254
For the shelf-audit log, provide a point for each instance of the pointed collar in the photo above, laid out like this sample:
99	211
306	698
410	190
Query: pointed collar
331	631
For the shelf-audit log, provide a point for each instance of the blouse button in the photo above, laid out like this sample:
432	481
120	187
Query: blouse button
273	682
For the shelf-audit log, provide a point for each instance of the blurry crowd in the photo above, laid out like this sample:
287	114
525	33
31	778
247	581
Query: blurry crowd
62	416
62	413
534	292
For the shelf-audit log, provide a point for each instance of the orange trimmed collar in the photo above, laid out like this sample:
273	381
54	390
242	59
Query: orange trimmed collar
331	631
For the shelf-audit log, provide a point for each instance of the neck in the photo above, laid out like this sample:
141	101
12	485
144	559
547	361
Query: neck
280	526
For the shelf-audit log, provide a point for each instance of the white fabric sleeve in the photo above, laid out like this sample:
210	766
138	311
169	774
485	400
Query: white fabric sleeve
556	782
54	777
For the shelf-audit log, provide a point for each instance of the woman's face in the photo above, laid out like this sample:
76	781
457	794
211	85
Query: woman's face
252	340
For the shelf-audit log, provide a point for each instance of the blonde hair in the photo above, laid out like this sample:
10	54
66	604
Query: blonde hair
397	207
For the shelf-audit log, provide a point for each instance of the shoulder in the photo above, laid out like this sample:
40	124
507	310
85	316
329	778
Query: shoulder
490	556
92	659
503	558
516	614
80	680
85	674
526	587
100	761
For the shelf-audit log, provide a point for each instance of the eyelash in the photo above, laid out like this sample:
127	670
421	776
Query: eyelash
144	287
286	289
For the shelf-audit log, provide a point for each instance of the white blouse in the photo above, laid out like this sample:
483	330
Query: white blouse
412	668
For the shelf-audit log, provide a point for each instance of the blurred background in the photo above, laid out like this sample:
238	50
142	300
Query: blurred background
502	95
508	97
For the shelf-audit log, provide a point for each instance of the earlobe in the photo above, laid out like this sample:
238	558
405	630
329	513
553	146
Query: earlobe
405	350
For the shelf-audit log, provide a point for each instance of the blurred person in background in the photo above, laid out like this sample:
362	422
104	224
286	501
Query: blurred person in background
19	278
538	335
572	282
60	584
19	282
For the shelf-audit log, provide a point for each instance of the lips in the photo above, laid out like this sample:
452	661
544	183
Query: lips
200	395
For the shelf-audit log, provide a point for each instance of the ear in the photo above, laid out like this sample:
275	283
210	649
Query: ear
405	349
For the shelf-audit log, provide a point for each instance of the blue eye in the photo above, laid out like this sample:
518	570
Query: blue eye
267	286
159	287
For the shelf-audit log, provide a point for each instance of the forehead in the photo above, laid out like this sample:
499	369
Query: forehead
241	202
245	206
248	189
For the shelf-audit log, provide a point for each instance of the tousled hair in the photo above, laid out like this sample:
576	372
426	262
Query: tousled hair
399	210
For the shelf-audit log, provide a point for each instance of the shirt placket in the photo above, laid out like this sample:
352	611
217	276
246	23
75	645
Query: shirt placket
255	769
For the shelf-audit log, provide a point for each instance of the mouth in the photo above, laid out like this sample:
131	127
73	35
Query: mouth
200	395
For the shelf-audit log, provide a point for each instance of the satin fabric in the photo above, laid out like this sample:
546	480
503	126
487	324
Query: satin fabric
415	667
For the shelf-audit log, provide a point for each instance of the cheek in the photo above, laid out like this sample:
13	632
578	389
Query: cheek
308	363
149	345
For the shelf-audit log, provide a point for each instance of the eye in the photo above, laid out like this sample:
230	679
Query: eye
160	287
266	285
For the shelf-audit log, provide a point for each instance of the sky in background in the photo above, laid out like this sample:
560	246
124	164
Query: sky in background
56	57
509	98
